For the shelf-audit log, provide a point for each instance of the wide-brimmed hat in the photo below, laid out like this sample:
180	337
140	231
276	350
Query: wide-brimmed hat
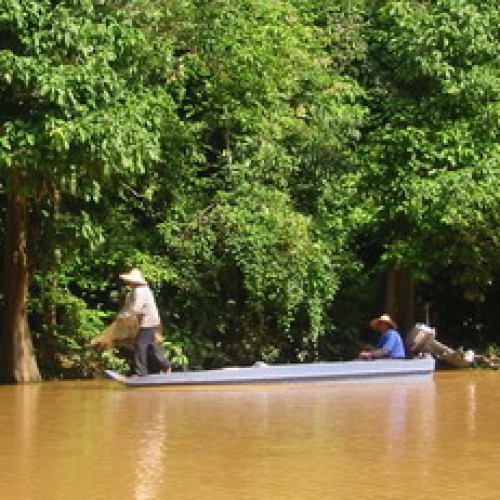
385	318
135	276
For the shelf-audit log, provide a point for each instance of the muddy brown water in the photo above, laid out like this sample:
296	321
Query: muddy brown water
97	440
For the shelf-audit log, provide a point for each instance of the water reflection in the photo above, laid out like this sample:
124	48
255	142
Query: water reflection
96	440
23	404
471	409
151	447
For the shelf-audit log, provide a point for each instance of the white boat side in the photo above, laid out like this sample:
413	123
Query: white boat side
342	371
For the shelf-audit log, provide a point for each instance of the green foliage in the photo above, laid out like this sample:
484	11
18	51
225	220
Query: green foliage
257	249
83	98
113	360
431	150
261	261
63	348
261	162
71	112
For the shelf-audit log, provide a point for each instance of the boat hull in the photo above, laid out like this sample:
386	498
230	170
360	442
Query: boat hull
346	371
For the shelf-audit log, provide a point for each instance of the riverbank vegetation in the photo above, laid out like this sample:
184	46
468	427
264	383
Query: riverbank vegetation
280	171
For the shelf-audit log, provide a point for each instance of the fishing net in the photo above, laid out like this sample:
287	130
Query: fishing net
120	334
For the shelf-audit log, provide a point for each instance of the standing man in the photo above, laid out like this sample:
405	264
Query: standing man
141	303
390	344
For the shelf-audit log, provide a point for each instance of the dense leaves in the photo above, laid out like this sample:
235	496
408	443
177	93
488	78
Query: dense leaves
433	149
264	163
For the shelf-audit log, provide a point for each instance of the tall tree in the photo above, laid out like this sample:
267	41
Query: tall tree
431	162
82	94
258	266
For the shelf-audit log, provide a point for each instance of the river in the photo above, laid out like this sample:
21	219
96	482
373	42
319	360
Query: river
97	440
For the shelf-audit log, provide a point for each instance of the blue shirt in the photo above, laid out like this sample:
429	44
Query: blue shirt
392	342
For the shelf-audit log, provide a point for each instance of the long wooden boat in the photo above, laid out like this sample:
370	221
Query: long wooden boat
261	373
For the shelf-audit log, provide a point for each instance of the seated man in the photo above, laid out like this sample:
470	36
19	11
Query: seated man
390	344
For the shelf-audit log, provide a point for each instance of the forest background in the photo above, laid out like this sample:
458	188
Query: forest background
281	171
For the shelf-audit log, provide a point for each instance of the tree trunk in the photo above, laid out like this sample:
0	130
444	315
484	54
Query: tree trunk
17	359
400	298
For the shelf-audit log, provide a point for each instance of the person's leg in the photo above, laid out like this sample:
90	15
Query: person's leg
145	336
159	355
